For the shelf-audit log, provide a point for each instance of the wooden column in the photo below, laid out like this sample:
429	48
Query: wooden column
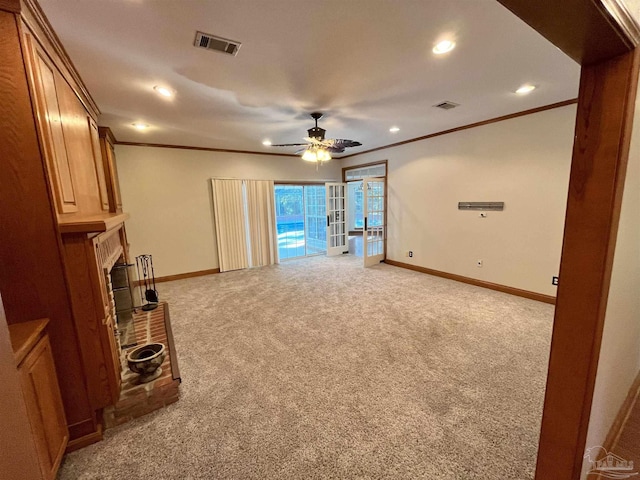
600	154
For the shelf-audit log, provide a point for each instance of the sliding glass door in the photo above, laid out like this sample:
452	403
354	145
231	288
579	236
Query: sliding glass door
300	220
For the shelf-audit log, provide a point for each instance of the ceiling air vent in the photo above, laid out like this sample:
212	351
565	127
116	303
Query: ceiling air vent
447	105
219	44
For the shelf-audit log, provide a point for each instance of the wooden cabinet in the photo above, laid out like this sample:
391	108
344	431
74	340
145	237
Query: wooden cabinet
68	134
50	124
41	393
58	197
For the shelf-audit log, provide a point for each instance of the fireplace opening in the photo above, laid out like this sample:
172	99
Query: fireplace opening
123	307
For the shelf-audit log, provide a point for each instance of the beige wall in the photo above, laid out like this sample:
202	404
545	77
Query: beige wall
619	361
167	193
523	161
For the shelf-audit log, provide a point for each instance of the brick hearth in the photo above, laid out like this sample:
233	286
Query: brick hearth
137	399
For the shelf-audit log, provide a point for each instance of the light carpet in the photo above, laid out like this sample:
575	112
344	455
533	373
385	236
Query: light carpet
321	369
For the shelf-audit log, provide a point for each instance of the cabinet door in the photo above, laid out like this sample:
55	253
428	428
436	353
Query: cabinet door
97	160
50	123
44	407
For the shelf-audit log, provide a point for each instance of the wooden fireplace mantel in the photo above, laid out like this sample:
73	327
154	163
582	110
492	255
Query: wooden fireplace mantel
99	222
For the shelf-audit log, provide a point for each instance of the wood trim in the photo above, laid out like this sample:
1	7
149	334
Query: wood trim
478	283
386	195
85	440
466	127
623	415
623	20
206	149
301	183
99	222
175	370
391	145
38	24
600	154
107	134
363	165
12	6
588	31
24	337
180	276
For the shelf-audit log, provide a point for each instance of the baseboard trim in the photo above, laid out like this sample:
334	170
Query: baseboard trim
478	283
620	421
85	441
180	276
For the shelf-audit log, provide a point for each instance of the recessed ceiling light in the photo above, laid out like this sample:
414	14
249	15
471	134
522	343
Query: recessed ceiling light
140	126
394	129
164	91
524	89
266	143
444	46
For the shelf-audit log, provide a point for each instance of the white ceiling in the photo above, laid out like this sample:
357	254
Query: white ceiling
367	64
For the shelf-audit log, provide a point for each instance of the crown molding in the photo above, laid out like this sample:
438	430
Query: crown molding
204	149
470	125
36	21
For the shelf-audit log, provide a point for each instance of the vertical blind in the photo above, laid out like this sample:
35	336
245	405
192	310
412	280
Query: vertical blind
245	223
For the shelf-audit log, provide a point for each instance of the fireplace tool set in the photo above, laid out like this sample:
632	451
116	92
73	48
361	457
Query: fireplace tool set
148	292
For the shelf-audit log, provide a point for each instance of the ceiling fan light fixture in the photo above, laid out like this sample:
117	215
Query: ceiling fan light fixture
309	155
315	154
323	155
318	148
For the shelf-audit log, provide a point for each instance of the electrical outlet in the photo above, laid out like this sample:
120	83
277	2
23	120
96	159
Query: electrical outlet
554	280
479	263
411	253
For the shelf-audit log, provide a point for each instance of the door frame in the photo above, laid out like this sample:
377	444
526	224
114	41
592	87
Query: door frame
386	190
303	183
603	38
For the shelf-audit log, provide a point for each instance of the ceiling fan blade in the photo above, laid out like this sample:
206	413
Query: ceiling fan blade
288	145
341	142
313	140
301	150
334	149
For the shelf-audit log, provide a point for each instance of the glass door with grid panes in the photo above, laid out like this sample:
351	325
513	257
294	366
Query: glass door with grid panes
315	215
374	235
337	241
300	220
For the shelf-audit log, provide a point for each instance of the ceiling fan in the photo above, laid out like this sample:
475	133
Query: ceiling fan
318	149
